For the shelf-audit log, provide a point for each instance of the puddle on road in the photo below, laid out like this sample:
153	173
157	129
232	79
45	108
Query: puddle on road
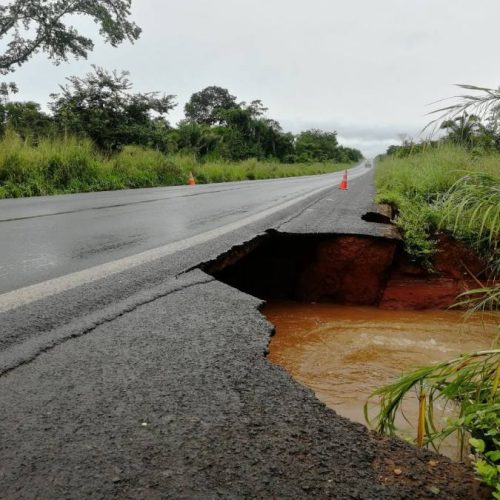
343	353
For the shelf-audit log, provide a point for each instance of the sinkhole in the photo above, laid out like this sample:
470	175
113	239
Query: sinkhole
353	312
342	269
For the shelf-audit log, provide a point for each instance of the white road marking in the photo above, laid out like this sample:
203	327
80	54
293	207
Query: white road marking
32	293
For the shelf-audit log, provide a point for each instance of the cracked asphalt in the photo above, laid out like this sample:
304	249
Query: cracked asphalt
154	383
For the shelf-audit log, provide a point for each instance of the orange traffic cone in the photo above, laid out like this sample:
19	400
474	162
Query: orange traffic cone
191	181
344	184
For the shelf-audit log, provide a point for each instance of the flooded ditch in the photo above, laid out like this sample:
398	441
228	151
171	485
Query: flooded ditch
343	353
353	312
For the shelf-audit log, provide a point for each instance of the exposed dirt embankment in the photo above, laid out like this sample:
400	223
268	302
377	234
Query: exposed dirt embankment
349	269
412	287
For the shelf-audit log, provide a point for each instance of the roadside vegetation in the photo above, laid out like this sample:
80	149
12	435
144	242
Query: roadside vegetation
71	165
427	188
452	184
99	135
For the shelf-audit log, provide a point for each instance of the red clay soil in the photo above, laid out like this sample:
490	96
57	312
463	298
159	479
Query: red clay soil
455	260
360	270
347	270
412	287
419	294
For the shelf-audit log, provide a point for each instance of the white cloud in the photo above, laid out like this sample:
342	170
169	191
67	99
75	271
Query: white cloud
367	68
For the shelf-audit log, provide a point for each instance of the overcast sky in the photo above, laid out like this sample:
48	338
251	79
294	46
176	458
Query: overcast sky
365	68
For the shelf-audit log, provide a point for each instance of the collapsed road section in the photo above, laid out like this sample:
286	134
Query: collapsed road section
348	269
170	395
348	263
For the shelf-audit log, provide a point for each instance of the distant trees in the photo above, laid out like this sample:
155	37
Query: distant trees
472	122
467	131
101	106
31	26
409	147
462	129
231	129
246	133
349	154
207	106
237	130
318	145
26	118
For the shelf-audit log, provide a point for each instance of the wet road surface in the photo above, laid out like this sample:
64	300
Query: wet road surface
43	238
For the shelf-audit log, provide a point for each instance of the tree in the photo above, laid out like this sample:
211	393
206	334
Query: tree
195	138
347	155
463	129
205	107
317	145
246	133
102	107
26	119
7	88
31	26
241	129
483	106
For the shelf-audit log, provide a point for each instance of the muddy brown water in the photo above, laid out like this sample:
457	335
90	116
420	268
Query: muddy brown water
343	353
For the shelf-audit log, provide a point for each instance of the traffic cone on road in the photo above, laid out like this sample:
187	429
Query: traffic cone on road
191	181
344	184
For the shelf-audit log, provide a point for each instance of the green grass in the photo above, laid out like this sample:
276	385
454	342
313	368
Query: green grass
73	165
431	172
470	383
427	188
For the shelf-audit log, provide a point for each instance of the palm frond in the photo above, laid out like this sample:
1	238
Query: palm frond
480	104
469	381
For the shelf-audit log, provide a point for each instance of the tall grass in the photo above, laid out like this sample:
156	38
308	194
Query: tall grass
51	166
69	165
471	210
420	185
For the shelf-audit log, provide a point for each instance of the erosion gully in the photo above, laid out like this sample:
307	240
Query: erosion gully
353	312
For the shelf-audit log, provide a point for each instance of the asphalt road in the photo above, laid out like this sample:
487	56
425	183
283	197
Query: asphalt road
43	238
151	381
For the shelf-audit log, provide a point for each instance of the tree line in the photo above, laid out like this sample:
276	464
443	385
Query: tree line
472	123
101	106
